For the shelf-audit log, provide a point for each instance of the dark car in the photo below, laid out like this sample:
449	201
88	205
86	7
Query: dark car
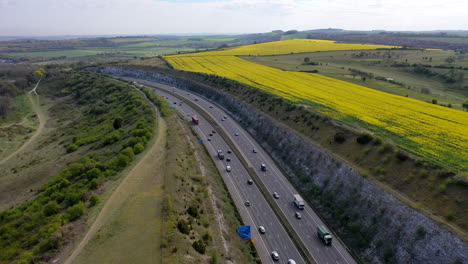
250	182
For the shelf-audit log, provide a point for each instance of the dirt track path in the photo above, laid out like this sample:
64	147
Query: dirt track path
34	98
127	185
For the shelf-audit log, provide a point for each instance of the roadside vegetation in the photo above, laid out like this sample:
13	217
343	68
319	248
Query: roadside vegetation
199	217
115	125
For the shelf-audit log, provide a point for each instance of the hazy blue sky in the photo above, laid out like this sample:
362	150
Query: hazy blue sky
81	17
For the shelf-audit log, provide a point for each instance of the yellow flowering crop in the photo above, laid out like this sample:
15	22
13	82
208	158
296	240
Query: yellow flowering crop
432	131
289	46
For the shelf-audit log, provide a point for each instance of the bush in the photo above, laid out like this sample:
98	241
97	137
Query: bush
138	148
75	211
71	148
339	137
364	139
207	236
121	161
401	156
51	208
420	233
199	246
128	151
93	174
183	227
214	257
93	200
192	211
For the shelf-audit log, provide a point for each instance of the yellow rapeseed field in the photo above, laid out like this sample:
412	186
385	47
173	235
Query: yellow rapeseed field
432	131
289	46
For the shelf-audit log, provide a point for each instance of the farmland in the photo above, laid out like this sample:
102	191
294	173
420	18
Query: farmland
291	46
434	132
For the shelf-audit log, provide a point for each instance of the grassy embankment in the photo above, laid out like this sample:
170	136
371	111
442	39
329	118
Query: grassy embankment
18	125
176	190
199	214
109	124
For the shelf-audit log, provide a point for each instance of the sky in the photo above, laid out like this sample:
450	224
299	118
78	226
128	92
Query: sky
140	17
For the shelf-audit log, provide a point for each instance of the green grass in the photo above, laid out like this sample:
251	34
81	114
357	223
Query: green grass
22	108
295	36
185	186
58	53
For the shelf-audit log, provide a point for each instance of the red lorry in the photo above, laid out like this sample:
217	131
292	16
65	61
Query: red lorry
195	120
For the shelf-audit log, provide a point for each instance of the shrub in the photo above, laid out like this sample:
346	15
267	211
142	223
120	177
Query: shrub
51	208
207	236
128	151
384	148
420	233
138	148
75	211
192	211
121	161
71	148
117	123
423	173
183	227
214	257
339	137
199	246
93	200
364	139
93	173
401	156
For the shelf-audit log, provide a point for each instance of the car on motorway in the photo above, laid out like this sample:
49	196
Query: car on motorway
196	99
247	203
254	150
224	117
228	159
210	134
229	151
209	139
212	131
298	215
263	167
228	168
291	261
275	255
236	134
276	195
211	106
261	229
250	182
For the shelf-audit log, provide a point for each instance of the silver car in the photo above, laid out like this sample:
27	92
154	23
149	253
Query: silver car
275	255
261	229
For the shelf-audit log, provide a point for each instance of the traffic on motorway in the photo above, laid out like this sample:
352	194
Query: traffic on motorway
268	233
322	245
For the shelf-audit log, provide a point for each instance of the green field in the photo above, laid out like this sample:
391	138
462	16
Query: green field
71	53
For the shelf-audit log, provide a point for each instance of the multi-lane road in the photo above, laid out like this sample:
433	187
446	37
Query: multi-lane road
259	212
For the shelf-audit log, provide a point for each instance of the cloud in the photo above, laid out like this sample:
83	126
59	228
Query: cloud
58	17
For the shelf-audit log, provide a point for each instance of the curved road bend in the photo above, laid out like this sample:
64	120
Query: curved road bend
273	179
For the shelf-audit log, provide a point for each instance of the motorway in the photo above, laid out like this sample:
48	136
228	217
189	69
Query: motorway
273	179
258	213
